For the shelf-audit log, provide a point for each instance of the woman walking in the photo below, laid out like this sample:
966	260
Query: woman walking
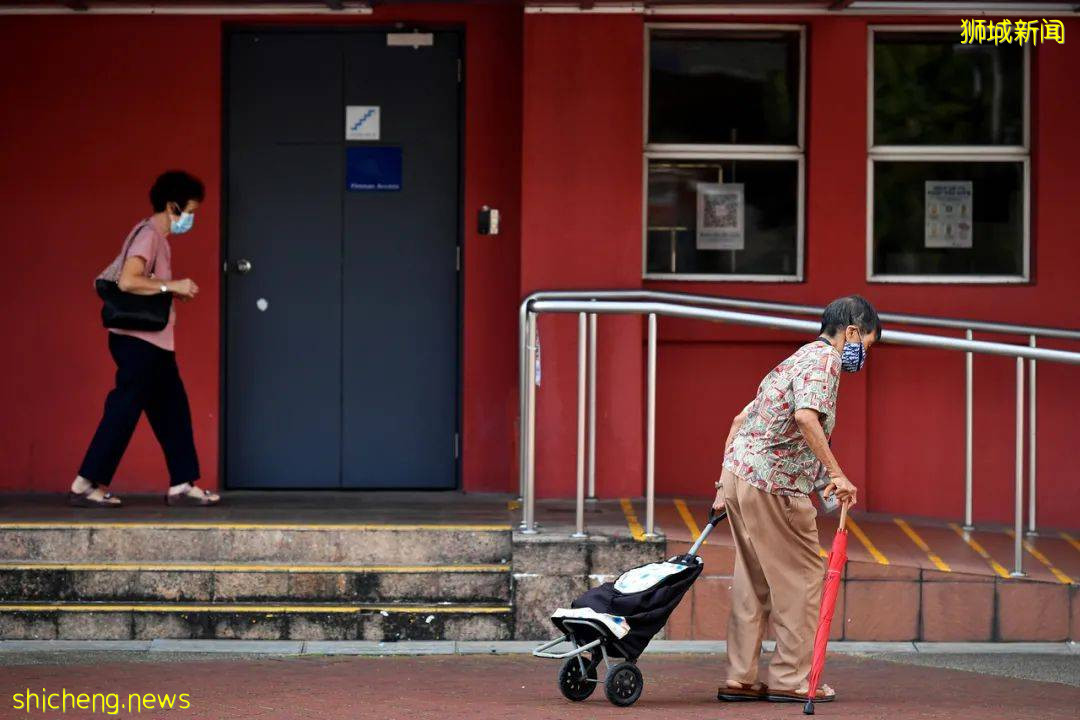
147	377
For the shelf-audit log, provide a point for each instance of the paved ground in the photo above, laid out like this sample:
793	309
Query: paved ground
483	688
1047	668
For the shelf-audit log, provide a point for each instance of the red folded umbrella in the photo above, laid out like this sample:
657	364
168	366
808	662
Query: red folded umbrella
831	586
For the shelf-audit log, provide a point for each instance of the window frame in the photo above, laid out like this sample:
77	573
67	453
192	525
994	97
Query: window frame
946	153
706	151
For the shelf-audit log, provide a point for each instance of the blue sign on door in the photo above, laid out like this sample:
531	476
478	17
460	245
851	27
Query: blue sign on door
372	169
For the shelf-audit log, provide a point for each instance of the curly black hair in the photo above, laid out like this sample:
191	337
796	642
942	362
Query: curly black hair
176	186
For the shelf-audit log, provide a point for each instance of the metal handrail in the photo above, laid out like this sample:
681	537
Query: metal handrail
534	307
739	303
969	326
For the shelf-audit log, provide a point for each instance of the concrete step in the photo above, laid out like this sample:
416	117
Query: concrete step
255	621
220	582
306	544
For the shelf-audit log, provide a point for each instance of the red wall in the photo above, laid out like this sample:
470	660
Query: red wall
581	213
900	430
900	422
96	109
554	139
99	106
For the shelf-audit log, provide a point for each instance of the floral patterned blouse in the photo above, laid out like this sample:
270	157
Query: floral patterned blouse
769	451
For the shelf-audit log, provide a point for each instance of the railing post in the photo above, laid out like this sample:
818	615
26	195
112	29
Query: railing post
1018	537
1032	447
580	505
592	407
523	374
650	433
529	502
969	371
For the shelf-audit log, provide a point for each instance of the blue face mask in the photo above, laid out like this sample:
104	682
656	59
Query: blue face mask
182	224
853	358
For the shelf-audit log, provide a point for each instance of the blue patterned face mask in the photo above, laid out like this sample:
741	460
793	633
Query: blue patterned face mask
853	358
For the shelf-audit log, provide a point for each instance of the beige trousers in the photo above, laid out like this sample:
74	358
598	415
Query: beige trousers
778	573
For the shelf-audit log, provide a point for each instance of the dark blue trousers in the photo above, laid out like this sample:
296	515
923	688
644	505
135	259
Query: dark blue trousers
147	380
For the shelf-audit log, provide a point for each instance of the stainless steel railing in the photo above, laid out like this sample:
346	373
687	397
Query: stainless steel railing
597	303
1032	332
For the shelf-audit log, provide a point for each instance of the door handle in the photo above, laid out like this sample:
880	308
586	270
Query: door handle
243	266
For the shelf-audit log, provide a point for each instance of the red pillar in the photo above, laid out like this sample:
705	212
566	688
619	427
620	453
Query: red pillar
581	228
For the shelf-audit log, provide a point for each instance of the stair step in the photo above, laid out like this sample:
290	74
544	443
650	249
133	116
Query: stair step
232	582
357	544
255	621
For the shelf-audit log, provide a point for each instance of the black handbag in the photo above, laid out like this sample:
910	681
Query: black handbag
128	311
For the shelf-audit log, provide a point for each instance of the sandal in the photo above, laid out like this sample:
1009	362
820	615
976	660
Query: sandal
192	497
84	500
824	694
743	693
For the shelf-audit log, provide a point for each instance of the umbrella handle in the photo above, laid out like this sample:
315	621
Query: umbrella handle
843	515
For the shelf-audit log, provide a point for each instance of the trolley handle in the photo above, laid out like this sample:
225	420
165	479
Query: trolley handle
714	519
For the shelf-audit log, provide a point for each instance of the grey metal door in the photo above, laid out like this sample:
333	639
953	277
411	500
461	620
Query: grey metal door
341	304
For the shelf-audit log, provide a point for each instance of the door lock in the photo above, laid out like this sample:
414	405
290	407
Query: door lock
243	266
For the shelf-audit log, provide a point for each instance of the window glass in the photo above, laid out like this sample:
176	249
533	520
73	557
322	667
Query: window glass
929	89
724	87
948	218
723	217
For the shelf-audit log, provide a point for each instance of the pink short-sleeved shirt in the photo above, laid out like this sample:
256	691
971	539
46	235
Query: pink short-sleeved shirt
769	451
153	247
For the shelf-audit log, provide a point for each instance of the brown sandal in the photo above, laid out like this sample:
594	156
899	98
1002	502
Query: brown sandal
186	499
84	500
824	694
746	693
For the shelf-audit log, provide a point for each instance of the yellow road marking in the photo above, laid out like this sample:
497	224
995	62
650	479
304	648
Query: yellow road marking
631	520
687	518
917	539
234	608
1071	540
974	545
1035	553
234	567
881	559
65	525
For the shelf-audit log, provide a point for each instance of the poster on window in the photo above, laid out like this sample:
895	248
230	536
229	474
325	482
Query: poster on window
948	214
721	210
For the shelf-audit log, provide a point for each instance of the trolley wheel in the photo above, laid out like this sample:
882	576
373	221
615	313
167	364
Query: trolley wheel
624	684
572	684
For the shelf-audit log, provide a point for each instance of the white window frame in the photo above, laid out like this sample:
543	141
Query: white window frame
692	151
945	153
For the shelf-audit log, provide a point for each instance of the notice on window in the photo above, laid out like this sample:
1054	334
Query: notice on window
948	214
721	211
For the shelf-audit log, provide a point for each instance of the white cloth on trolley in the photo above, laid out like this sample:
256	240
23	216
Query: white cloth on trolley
616	624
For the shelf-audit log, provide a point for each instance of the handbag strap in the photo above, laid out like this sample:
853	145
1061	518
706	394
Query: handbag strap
116	268
131	240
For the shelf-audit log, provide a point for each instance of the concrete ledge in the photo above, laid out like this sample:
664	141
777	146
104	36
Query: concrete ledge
331	647
255	647
482	647
15	646
686	646
1023	648
510	647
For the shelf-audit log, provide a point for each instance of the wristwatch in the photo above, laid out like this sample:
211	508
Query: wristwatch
164	288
